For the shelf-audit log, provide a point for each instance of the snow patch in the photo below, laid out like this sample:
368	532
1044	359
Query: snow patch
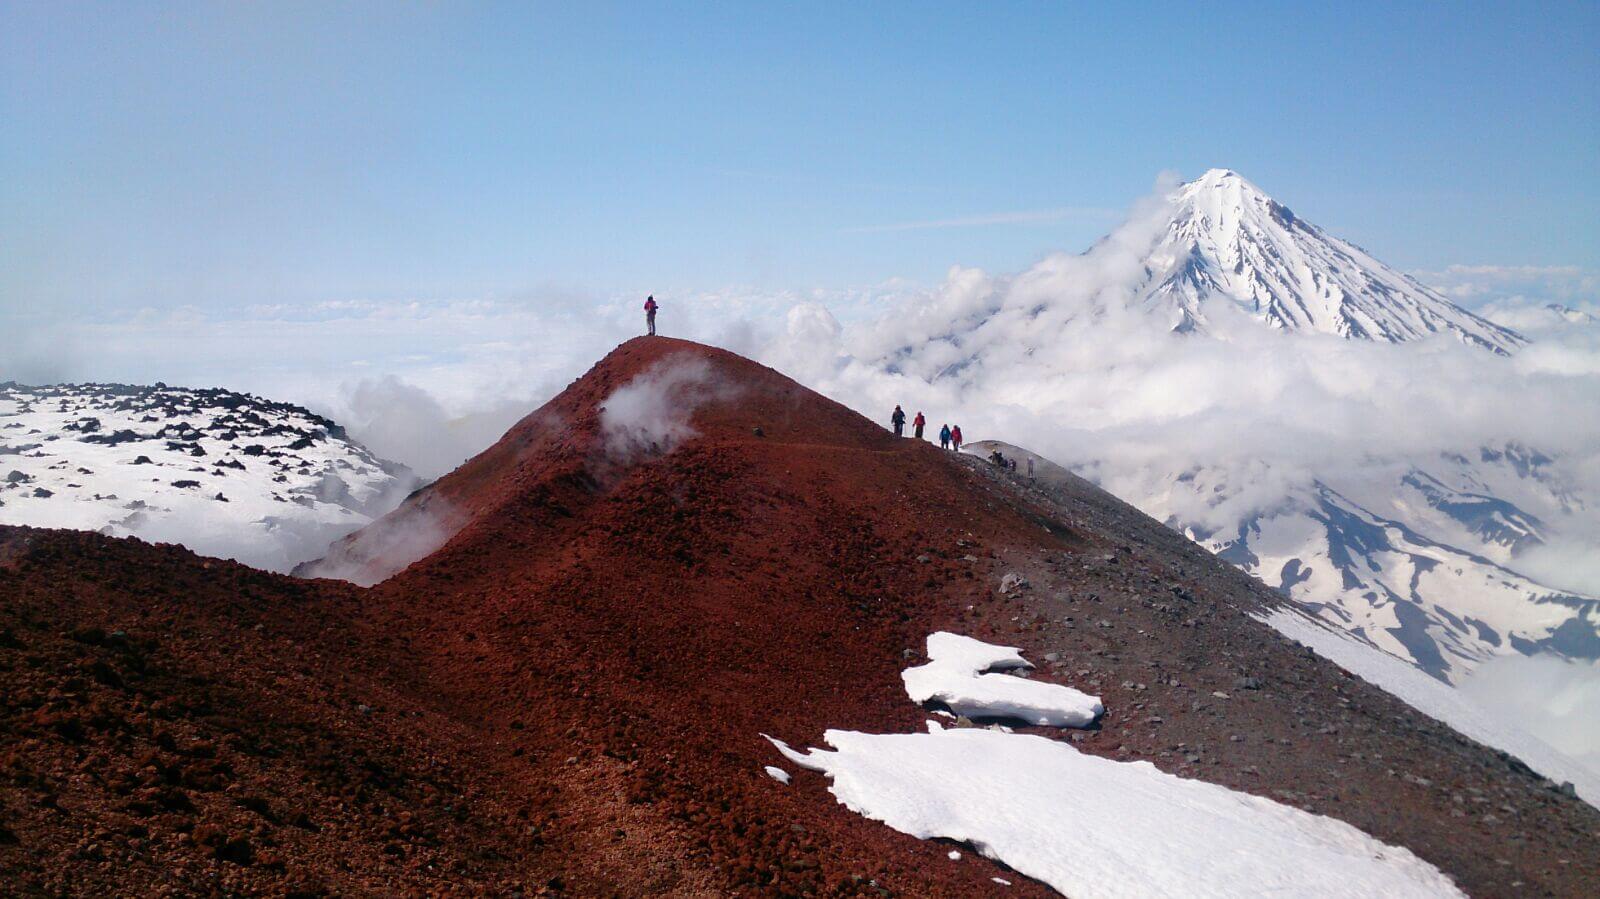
962	674
777	774
1093	827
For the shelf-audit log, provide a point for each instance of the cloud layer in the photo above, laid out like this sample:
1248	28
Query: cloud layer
1051	358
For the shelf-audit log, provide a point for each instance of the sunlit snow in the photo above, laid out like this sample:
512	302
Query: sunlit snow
1085	825
1094	827
962	674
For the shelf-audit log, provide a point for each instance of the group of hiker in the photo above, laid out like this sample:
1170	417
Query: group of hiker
949	438
999	460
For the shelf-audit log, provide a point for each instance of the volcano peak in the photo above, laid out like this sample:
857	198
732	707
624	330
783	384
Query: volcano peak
1229	246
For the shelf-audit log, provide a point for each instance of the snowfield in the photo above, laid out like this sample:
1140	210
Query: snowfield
961	674
1445	606
1088	826
223	473
1094	828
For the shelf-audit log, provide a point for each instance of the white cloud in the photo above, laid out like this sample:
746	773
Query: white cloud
1531	285
1555	700
399	420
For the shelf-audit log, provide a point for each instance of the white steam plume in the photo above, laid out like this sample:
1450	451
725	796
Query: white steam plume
650	414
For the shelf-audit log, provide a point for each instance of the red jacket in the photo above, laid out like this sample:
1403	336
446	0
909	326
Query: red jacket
650	304
955	434
919	421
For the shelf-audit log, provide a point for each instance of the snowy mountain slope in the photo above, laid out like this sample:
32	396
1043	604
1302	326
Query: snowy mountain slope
224	473
1228	242
1444	608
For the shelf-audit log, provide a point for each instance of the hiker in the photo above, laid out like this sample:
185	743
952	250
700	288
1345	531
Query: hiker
1030	469
650	307
917	425
998	459
944	437
955	438
898	419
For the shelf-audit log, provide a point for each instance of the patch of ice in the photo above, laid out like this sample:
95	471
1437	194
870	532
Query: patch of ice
1001	880
955	855
963	674
1093	827
777	774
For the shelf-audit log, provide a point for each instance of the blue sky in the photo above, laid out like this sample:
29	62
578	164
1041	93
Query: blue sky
229	154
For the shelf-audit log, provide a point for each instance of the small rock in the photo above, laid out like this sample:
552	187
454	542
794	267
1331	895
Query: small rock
1247	683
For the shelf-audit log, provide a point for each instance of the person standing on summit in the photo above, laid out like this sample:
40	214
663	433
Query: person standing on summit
917	424
898	419
944	437
650	307
955	438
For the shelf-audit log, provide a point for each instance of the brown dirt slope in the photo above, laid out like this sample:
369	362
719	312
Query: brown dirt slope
567	693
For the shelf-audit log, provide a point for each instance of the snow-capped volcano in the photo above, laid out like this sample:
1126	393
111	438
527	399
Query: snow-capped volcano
1228	242
1405	493
223	473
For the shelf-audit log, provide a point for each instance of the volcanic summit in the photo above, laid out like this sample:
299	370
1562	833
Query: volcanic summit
558	678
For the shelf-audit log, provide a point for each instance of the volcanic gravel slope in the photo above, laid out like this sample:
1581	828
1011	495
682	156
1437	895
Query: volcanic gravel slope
567	694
